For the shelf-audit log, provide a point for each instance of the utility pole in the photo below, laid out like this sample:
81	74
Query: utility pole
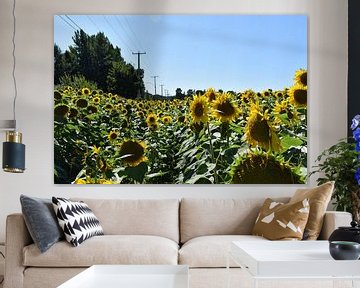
138	54
162	86
140	73
154	82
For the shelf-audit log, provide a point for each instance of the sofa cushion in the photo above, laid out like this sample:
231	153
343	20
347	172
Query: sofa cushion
77	220
107	249
279	221
319	198
211	251
158	217
41	221
201	217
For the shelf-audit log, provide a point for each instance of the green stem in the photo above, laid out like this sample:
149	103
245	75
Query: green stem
212	153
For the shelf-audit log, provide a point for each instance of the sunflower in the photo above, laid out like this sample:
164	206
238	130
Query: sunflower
141	114
298	95
57	95
132	152
166	119
85	91
199	109
259	130
108	106
211	94
181	119
258	167
113	135
92	109
96	100
73	112
284	112
81	103
224	109
61	110
248	96
80	181
153	126
151	119
301	77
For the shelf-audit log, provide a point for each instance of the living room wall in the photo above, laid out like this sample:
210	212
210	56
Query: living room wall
327	65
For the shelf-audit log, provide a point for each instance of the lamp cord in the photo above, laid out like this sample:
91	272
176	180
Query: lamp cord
14	60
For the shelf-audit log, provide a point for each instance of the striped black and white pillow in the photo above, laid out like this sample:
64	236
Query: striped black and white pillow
77	220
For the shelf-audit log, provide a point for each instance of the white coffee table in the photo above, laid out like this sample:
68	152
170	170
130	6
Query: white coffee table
297	260
131	276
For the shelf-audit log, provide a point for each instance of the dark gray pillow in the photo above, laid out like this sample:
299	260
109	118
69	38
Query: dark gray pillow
41	221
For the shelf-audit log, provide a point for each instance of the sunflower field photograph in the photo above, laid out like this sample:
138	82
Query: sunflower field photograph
180	99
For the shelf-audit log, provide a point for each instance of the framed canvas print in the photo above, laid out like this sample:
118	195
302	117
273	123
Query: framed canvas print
180	99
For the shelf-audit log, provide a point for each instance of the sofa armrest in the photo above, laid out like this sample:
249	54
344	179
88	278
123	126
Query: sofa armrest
333	220
17	237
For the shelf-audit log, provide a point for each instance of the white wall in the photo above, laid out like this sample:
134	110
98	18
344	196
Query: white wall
327	89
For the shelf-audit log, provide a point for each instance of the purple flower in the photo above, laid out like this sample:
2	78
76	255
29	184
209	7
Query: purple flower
357	147
357	176
356	134
355	122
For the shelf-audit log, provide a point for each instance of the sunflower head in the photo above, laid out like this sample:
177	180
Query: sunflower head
259	131
61	110
199	109
96	100
285	113
81	103
298	95
224	109
301	77
166	119
108	106
132	152
73	112
92	109
248	96
85	91
181	119
113	135
151	119
57	95
258	167
211	94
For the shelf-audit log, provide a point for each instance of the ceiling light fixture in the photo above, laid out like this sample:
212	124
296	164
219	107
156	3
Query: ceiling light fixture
13	149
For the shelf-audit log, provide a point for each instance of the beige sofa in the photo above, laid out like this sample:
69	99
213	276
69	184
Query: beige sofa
194	232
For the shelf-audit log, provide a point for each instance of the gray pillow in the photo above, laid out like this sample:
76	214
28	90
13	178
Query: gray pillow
41	221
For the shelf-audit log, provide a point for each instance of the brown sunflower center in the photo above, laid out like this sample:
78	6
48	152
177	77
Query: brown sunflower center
226	108
300	96
259	129
81	103
199	110
152	119
133	150
303	79
113	135
212	96
261	169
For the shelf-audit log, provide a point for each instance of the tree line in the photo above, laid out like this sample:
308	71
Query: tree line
95	59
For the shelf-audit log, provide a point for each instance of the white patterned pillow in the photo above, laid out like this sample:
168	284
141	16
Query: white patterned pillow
77	220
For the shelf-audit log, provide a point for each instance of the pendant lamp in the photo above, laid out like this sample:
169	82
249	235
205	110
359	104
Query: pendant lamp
13	158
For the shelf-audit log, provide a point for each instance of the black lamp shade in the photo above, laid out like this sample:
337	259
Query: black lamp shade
13	157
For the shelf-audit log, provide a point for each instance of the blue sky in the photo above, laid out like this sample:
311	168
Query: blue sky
229	52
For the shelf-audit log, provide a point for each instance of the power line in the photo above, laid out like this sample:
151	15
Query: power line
72	21
121	40
67	22
93	23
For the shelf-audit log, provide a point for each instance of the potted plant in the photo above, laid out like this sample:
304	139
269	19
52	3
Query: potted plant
341	163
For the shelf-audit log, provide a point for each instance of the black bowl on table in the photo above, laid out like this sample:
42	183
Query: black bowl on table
344	250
